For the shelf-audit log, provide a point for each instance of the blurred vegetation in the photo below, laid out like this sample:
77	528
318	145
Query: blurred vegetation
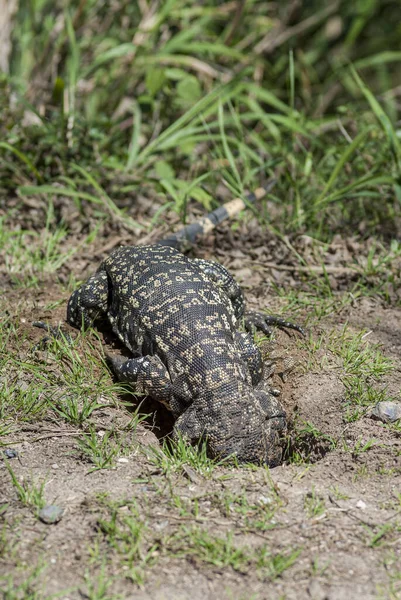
107	100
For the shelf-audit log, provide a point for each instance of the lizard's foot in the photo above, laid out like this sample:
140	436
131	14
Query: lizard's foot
254	321
269	389
55	333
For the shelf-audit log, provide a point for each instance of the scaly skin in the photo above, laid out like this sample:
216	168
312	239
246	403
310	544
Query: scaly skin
179	318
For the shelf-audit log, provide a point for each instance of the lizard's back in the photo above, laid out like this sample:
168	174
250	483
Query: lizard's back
164	294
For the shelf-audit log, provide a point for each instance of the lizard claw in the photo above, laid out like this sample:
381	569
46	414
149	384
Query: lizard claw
254	321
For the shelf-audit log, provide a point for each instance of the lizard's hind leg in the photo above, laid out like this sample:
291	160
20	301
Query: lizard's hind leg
252	320
255	320
89	302
223	278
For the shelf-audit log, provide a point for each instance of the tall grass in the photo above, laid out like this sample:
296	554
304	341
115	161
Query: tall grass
172	98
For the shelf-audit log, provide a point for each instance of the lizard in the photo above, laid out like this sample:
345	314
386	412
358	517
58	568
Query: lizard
179	318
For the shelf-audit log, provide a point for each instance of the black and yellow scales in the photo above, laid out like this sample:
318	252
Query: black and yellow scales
179	318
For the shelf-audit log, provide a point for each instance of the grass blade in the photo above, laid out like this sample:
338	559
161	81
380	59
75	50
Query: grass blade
383	119
22	158
342	161
136	130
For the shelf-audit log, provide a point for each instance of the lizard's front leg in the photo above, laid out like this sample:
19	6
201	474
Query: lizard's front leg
89	301
146	375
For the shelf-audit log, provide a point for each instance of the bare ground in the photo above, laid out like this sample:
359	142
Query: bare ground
333	514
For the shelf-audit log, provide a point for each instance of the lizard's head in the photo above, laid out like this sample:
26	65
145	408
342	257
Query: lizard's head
249	428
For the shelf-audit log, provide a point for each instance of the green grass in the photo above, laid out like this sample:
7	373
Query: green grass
361	366
361	446
175	454
314	505
359	357
139	103
30	255
222	551
73	392
65	382
257	515
98	586
28	585
127	534
101	451
8	543
29	493
135	545
102	448
306	443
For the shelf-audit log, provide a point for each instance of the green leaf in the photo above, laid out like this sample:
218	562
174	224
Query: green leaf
189	89
201	195
58	92
155	79
164	170
175	74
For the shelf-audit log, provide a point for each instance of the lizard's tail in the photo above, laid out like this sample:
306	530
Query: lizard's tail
190	233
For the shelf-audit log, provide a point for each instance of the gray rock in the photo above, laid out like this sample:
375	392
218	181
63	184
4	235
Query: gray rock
10	453
51	514
388	412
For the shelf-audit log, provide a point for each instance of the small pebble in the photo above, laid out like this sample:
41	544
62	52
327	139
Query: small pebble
10	453
361	504
160	525
122	460
264	500
54	466
51	514
387	412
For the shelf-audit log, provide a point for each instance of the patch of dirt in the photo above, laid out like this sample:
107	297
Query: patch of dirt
335	510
